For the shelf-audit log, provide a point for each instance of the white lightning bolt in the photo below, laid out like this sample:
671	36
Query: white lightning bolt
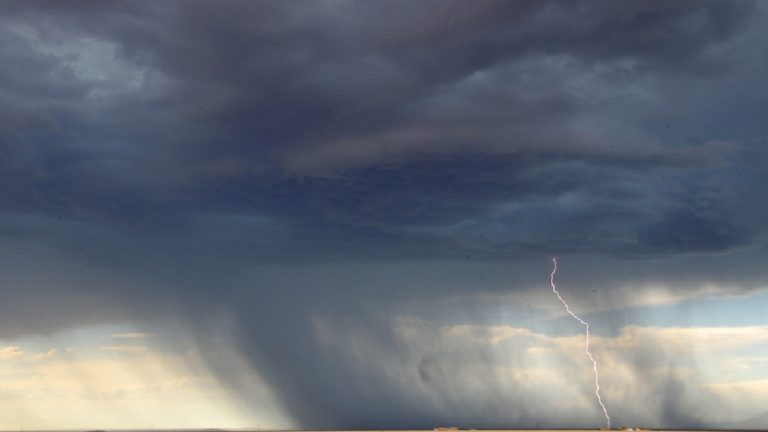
584	323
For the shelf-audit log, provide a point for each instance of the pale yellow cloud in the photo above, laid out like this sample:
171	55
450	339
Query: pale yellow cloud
141	390
753	388
703	338
44	355
538	350
492	334
10	352
126	349
93	387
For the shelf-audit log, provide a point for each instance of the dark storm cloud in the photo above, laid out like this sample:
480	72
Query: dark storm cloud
360	117
685	231
151	152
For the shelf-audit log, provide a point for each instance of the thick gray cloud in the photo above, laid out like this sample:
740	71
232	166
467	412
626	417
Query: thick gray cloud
154	153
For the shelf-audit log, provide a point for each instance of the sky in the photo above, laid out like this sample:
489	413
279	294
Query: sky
343	214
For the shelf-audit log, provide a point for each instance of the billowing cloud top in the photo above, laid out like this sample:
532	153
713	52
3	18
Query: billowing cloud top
284	163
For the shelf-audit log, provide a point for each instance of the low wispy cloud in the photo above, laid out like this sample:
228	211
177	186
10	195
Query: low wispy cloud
126	349
131	335
51	353
10	352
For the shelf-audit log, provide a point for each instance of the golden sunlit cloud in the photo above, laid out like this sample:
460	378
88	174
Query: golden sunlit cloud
127	349
117	386
10	352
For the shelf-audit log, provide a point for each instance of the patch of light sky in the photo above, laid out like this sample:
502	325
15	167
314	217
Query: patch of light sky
647	306
89	60
117	377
